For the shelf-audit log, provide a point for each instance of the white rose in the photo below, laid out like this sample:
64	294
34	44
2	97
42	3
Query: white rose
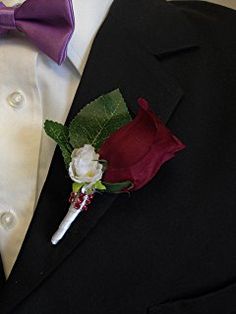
84	167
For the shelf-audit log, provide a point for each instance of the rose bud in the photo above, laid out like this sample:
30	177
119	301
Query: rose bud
137	150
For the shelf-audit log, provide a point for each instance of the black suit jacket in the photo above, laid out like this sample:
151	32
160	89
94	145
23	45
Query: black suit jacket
169	248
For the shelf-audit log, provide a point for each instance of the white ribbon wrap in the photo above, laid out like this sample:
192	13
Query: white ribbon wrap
68	220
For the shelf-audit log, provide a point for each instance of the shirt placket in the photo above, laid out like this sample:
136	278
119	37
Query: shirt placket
20	136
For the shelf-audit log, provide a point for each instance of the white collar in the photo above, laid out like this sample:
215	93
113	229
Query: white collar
89	15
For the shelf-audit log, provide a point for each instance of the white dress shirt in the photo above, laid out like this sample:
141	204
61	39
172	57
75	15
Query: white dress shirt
33	88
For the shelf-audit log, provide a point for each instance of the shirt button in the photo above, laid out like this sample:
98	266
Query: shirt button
16	99
7	220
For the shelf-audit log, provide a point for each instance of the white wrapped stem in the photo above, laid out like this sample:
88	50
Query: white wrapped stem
67	221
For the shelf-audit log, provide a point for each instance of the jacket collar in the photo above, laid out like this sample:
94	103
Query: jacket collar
158	25
175	32
89	15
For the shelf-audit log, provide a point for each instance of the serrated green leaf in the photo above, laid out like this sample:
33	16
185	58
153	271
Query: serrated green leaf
60	134
99	119
117	187
66	156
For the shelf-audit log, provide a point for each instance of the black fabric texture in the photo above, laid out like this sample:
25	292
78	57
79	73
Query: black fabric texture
174	241
2	275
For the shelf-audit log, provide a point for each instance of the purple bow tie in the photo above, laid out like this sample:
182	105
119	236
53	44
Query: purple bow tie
49	24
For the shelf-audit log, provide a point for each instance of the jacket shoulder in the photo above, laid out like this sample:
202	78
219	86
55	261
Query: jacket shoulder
204	6
213	22
211	12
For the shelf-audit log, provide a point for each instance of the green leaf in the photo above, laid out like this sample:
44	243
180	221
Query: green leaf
99	186
76	187
117	187
60	134
99	119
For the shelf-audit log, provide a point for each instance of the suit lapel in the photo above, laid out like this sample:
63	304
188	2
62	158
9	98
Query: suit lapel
117	59
2	275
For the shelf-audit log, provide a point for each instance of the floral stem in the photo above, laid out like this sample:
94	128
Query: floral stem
68	220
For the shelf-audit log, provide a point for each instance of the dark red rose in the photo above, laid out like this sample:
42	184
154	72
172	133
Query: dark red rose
137	150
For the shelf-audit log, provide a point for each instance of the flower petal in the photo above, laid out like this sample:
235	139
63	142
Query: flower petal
136	151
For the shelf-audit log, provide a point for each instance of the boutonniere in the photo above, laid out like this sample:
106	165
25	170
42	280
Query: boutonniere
105	151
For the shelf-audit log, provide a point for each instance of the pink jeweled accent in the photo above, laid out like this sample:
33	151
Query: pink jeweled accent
85	208
72	197
78	200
